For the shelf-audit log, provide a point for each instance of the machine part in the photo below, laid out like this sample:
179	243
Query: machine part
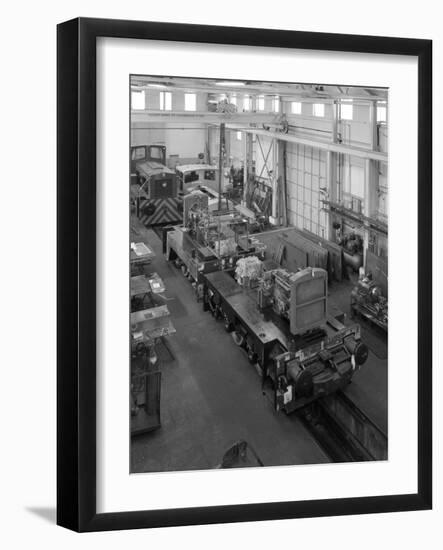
358	350
367	300
238	338
193	203
302	379
355	261
252	356
352	244
227	323
300	297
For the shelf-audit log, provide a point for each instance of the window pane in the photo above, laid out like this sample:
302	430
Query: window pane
138	100
276	104
138	153
346	111
168	101
381	113
239	136
296	107
318	109
247	103
261	103
190	102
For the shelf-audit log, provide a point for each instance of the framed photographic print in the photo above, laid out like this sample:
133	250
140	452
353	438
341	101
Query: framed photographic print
244	274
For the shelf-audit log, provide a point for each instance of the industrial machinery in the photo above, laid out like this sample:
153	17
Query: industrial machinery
368	301
300	351
149	326
208	242
352	245
156	194
191	176
145	153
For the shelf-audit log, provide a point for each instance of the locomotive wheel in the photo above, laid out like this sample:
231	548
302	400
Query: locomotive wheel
214	310
238	338
227	324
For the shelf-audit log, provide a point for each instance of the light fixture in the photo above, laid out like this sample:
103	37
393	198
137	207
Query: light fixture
156	85
229	83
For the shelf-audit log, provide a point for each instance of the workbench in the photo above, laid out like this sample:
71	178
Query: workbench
149	324
140	256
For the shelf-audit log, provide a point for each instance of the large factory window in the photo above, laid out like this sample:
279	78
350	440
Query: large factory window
165	101
296	107
346	110
190	102
381	112
138	100
276	104
318	109
261	103
246	103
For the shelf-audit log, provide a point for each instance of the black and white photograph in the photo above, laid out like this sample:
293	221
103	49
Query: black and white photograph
258	273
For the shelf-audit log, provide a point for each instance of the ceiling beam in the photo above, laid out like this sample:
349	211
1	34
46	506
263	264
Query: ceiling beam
203	117
324	145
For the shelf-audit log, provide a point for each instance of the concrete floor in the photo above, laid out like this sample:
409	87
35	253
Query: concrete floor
211	395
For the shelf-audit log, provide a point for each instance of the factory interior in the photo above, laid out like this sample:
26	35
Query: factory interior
259	273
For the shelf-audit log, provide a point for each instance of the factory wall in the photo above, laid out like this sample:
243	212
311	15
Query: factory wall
183	141
306	169
305	166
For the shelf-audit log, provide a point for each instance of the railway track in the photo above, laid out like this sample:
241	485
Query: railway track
343	431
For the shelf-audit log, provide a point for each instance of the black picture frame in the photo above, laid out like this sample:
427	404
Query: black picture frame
76	294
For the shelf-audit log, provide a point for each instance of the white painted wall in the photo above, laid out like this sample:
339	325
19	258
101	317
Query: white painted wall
185	140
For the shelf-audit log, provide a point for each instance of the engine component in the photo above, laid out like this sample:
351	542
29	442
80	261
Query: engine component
368	301
248	271
299	297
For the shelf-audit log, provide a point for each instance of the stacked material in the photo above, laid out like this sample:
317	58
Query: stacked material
248	271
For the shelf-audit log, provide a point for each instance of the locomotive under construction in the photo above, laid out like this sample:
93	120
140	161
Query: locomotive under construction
279	318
